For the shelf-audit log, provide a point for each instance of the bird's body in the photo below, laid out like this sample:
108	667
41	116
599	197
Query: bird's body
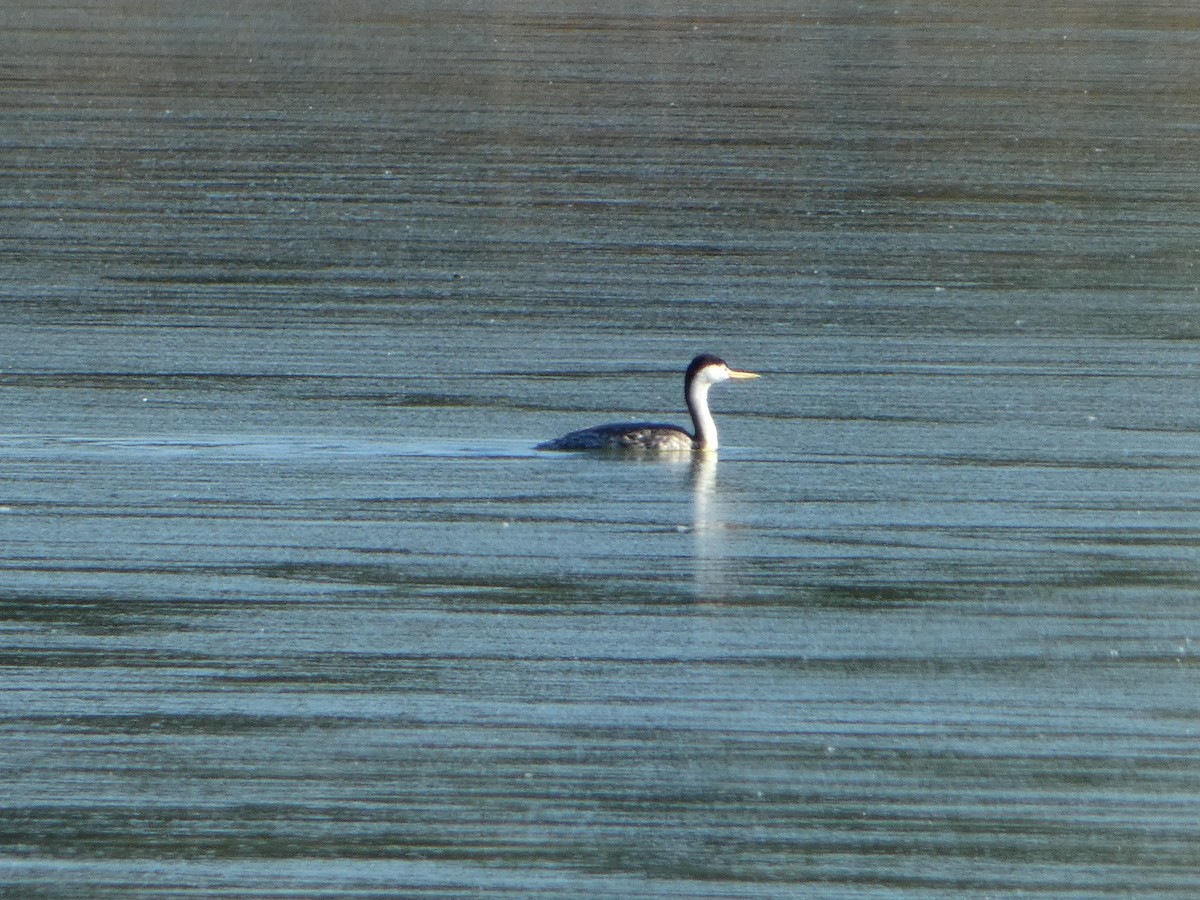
704	371
624	436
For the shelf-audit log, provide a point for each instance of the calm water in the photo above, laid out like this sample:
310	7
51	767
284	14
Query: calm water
290	607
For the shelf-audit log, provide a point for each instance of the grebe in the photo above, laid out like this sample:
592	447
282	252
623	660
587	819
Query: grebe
705	371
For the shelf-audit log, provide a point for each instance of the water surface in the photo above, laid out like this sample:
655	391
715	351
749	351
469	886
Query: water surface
289	604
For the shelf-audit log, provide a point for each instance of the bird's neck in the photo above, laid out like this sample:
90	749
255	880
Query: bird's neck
702	420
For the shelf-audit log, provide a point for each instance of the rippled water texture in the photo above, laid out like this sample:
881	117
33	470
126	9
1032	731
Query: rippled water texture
289	606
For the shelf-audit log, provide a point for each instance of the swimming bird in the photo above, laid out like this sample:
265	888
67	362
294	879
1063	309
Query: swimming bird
704	371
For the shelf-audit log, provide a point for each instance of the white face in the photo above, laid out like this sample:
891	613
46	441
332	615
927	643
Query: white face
717	374
714	374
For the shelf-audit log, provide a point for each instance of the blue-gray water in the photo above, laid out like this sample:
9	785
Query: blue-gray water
290	607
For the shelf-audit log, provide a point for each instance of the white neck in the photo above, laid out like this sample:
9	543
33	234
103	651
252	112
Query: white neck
702	420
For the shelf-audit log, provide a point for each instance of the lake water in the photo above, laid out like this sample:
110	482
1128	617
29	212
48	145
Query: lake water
289	606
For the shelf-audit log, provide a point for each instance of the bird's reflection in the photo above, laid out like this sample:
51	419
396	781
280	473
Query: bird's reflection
708	531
